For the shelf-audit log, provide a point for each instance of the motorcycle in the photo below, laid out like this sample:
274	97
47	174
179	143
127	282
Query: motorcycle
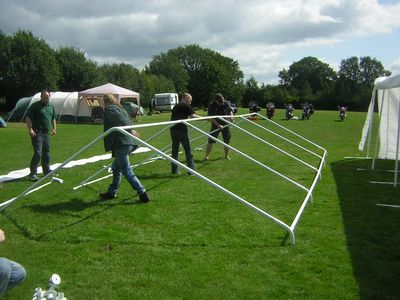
289	111
270	110
342	113
306	112
253	107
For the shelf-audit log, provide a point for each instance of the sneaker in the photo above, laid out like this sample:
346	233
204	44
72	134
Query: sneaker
34	177
143	198
227	158
107	195
206	158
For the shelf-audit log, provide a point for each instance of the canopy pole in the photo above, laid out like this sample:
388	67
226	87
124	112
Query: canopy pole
371	119
377	133
396	163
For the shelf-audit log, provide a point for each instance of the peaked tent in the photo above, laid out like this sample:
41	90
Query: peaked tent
387	92
97	93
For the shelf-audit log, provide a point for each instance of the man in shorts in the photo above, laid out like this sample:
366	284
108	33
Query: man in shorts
219	107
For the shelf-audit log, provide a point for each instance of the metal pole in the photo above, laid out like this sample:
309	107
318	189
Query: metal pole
396	168
377	133
275	147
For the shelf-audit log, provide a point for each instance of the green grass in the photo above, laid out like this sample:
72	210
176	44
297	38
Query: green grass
193	241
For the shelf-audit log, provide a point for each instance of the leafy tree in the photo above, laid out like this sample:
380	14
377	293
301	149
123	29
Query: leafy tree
276	94
77	72
370	69
319	75
5	55
207	73
252	93
169	66
356	78
150	84
349	69
122	74
30	67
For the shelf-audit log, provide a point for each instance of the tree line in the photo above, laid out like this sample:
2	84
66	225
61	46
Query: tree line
29	64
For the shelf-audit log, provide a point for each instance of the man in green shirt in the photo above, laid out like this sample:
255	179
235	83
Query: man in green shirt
41	119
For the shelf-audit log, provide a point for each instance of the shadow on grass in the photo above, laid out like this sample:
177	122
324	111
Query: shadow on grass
372	231
65	208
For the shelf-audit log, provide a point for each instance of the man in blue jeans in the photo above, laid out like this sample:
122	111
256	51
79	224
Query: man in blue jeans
40	119
179	132
121	146
11	273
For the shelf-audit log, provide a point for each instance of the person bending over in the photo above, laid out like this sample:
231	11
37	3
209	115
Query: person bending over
219	108
121	146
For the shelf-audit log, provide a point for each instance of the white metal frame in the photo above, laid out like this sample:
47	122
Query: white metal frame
290	228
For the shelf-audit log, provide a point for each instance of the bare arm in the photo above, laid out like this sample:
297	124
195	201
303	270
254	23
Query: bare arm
29	124
54	124
2	236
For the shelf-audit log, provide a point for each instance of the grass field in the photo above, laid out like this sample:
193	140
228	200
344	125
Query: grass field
195	242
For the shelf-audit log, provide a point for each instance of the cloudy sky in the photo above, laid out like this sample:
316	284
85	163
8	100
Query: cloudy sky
264	36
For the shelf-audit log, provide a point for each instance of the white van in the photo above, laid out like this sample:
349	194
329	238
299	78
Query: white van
165	101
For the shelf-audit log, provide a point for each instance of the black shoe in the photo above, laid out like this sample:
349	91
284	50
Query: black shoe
143	198
34	177
106	195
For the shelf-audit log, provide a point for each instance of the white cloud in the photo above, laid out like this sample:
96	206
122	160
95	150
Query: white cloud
395	66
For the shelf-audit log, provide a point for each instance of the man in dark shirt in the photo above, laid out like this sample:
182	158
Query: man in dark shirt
179	132
219	108
40	119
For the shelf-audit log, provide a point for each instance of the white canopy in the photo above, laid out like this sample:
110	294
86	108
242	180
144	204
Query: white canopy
387	93
116	90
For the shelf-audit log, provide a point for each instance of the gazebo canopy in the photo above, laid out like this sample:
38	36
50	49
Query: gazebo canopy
116	90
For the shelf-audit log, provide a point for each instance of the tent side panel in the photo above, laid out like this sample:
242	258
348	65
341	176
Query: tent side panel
389	123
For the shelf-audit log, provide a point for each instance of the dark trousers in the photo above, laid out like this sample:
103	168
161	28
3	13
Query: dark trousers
181	137
41	151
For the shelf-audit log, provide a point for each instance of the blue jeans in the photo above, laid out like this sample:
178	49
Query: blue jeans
181	137
11	274
121	165
41	151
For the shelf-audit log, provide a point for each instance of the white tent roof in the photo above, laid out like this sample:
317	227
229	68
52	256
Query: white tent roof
390	82
116	90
